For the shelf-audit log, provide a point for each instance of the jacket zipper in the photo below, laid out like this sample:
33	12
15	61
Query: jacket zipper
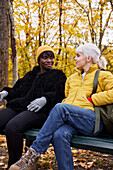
76	92
74	96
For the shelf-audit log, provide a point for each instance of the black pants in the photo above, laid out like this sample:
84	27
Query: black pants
15	124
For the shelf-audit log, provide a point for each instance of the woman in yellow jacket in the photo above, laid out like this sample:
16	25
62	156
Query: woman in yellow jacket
75	115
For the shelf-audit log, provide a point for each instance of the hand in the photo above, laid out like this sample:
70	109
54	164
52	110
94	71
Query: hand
37	104
3	94
90	100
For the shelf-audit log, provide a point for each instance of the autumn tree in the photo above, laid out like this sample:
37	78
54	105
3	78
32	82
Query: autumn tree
97	15
63	25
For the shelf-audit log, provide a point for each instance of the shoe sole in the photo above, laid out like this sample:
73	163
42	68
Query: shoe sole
28	168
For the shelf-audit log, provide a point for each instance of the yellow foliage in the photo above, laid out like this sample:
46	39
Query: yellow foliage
37	23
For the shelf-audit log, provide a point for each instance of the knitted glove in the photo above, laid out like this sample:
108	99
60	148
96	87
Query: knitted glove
3	94
90	100
37	104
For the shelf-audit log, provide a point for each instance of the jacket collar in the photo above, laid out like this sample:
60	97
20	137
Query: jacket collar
92	68
36	69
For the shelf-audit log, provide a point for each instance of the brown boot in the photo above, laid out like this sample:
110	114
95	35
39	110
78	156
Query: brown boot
27	161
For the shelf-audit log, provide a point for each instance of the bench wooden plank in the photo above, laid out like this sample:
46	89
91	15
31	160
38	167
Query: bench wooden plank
104	145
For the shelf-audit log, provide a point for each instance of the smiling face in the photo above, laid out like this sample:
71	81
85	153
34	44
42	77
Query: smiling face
46	61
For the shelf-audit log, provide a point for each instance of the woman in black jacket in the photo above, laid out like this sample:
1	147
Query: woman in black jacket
30	100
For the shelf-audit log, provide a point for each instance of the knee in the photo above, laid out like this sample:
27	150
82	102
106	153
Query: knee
58	107
57	136
11	128
63	136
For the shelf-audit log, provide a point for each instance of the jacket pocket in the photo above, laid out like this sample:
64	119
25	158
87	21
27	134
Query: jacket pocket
87	100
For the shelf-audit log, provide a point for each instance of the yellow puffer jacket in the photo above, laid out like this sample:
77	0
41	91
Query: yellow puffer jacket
76	91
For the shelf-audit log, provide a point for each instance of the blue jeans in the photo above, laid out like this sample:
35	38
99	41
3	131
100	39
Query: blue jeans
64	121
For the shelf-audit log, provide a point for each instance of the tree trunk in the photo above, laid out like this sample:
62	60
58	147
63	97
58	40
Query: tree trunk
39	25
4	43
60	26
60	32
13	42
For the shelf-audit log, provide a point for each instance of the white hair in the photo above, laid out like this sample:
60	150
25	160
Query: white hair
90	49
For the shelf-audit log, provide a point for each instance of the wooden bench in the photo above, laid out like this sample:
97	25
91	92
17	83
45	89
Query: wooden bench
99	144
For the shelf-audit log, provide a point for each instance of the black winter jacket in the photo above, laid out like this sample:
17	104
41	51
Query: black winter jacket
50	84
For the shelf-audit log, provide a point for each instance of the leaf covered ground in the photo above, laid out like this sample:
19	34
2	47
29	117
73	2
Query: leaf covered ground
82	159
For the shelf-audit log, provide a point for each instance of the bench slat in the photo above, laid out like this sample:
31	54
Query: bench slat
93	143
104	145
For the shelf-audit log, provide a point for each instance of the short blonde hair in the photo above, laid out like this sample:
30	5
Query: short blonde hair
90	49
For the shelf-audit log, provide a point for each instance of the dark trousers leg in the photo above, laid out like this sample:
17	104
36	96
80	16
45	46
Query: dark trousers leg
6	115
14	129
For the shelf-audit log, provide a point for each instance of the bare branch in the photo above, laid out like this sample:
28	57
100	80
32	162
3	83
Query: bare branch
111	2
107	21
92	31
